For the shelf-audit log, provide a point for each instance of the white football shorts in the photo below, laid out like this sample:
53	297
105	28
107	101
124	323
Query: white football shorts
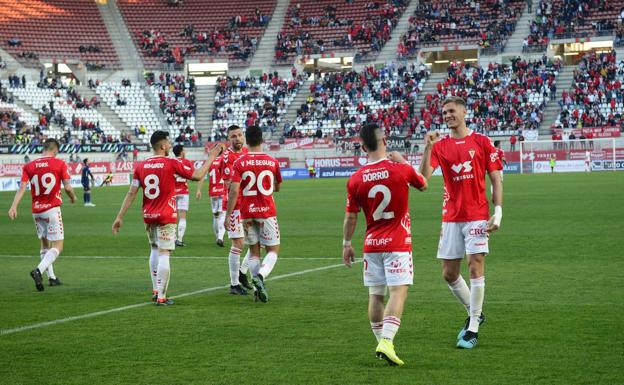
390	269
182	202
263	230
216	203
161	236
49	224
237	224
460	238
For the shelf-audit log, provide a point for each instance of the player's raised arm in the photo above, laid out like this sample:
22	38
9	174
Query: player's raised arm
348	228
200	173
426	169
18	197
130	197
497	199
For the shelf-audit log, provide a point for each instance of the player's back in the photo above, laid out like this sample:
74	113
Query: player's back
258	173
181	184
215	178
381	190
45	176
157	177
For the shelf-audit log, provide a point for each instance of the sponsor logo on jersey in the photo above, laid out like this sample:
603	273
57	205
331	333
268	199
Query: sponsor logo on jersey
377	241
465	166
494	157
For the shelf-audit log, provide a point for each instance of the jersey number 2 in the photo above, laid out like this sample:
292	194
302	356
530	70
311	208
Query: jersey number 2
379	212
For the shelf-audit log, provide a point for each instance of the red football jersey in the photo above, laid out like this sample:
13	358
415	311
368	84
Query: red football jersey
227	161
464	163
181	185
257	174
157	177
501	154
216	188
381	190
45	176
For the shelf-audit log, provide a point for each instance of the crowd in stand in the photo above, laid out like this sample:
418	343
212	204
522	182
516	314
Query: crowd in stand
343	102
499	96
176	98
259	100
563	18
374	30
596	96
488	23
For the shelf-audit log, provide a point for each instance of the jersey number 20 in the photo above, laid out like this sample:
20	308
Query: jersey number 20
379	212
259	183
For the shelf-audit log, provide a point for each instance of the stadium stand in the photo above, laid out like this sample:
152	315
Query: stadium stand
500	97
316	27
128	101
437	23
16	125
30	30
251	100
596	97
340	103
556	19
170	33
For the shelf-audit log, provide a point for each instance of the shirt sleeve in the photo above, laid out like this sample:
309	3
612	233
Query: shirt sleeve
278	174
492	159
182	170
434	162
413	177
25	177
136	179
352	205
64	172
235	174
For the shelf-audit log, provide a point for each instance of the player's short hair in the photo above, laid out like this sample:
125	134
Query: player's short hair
85	160
177	149
233	127
496	143
454	99
50	144
253	136
369	135
157	136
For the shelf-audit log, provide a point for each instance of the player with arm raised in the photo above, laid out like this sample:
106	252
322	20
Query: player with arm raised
45	176
216	190
255	176
381	190
182	194
157	177
238	270
465	157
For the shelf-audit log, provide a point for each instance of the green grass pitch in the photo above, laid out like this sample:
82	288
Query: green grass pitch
554	297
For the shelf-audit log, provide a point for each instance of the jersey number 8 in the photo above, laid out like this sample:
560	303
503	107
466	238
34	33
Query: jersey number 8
151	189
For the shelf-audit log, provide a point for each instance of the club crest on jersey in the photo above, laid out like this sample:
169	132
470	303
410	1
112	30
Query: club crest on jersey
472	153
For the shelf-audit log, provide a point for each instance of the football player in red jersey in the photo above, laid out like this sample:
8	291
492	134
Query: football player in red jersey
45	176
157	177
182	194
381	190
238	270
216	190
465	158
257	175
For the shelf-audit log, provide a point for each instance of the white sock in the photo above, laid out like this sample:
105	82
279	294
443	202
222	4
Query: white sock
376	327
153	264
50	270
234	264
181	229
477	292
244	267
215	225
162	275
221	226
460	290
48	259
254	265
390	327
268	263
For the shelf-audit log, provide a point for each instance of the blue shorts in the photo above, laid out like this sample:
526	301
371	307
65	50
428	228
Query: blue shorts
85	184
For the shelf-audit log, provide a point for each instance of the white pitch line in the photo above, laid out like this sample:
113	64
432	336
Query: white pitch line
172	257
128	307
